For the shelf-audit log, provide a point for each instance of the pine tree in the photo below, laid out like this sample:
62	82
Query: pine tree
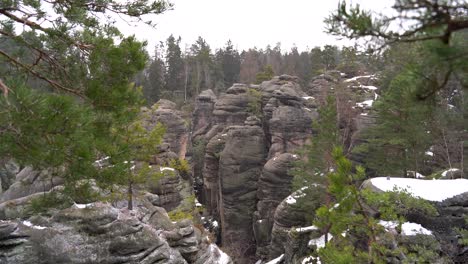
398	141
84	67
174	78
357	235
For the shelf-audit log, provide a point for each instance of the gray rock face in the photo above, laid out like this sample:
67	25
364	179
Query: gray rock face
240	165
211	173
8	171
287	114
96	234
100	233
176	135
203	113
273	186
237	147
231	108
29	181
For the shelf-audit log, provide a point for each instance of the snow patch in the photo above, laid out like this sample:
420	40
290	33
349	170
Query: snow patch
369	87
429	153
444	174
223	257
319	242
291	199
310	259
166	168
436	190
308	97
407	228
306	229
82	206
276	260
29	224
365	103
358	77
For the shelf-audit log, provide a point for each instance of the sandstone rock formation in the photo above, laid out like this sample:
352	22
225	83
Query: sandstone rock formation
100	233
253	131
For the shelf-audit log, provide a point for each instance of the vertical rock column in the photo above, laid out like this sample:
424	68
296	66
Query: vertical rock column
240	166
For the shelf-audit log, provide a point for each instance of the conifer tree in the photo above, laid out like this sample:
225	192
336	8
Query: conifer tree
84	66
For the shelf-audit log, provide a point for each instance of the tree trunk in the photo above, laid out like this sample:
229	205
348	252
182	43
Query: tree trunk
130	195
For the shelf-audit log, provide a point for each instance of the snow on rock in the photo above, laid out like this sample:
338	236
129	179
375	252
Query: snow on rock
444	174
305	229
369	87
311	259
365	103
276	260
358	77
29	224
291	199
223	257
319	242
407	228
82	206
432	190
308	97
415	174
166	168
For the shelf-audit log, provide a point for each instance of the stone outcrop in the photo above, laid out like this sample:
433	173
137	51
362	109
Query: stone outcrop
100	233
240	165
240	188
273	186
203	113
29	181
166	113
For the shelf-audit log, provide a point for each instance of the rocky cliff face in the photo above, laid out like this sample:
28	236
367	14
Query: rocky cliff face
252	135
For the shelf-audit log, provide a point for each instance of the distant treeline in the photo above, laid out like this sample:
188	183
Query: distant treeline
180	73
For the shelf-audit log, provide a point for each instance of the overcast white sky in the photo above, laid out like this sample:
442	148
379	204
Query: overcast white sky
248	23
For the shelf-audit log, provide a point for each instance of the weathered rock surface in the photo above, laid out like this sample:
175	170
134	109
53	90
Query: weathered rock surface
29	181
238	145
176	136
203	113
96	234
100	233
273	186
240	165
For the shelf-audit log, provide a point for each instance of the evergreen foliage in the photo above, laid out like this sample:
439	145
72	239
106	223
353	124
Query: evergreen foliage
81	97
264	75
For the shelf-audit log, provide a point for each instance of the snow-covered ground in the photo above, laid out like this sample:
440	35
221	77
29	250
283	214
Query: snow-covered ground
432	190
407	228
